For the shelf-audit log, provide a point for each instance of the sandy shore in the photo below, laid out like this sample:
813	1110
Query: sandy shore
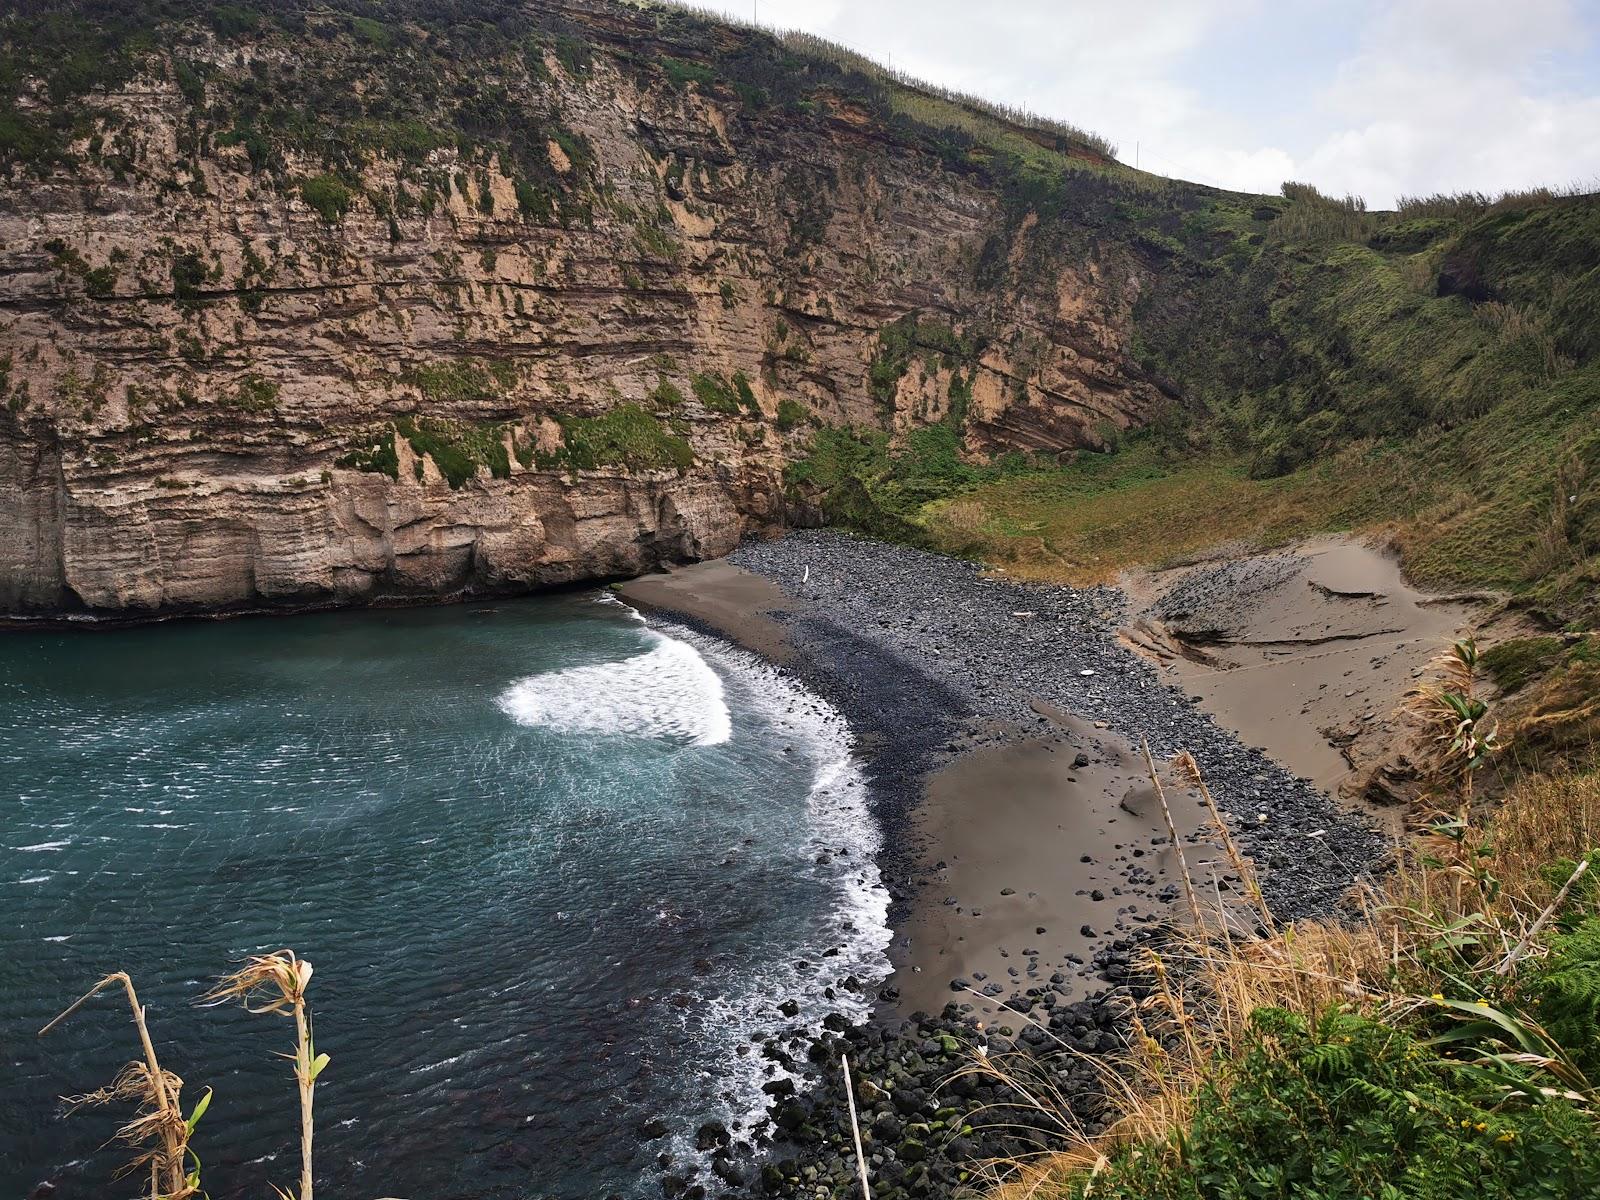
1306	653
999	724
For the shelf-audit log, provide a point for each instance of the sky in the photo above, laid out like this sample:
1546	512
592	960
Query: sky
1379	98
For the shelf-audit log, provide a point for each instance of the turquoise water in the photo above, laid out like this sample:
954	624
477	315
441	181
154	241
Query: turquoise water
555	868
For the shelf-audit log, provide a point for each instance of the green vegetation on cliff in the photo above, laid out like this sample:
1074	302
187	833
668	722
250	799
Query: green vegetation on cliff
624	436
445	90
1437	375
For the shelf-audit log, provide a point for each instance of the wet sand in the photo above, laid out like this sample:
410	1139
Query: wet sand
737	604
1028	850
1038	852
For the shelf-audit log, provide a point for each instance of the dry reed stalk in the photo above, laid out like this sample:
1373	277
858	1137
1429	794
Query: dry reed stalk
1172	832
855	1127
276	983
155	1091
1543	820
1534	930
1247	876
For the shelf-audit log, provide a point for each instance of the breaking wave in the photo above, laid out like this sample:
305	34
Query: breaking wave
668	692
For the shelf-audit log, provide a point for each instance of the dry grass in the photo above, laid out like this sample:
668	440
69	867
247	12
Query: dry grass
1556	547
1546	819
1312	217
1208	981
158	1131
1466	206
276	983
1089	523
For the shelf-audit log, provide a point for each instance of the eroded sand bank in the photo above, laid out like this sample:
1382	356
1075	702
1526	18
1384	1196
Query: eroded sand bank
1306	652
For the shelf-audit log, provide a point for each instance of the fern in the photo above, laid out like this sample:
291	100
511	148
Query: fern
1565	989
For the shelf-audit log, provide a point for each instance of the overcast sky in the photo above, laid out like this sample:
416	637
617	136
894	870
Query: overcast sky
1377	97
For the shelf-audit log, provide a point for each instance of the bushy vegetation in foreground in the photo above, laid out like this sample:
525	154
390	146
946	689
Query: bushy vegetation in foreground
1444	1045
1346	1107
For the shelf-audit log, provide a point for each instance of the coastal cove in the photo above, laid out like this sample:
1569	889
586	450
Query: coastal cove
643	600
1001	726
643	877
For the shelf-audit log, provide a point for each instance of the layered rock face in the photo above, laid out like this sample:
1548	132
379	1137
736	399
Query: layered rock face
218	391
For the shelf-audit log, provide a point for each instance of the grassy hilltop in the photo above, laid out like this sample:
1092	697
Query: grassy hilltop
1434	370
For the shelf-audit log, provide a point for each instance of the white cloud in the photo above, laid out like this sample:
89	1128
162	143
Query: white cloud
1448	97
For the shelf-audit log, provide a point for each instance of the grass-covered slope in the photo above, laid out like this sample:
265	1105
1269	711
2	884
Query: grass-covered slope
1446	1046
1435	370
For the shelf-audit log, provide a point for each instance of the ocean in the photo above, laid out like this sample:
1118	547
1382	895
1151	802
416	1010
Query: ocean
557	867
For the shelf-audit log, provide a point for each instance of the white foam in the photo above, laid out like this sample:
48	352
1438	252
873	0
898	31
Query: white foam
41	847
850	940
668	692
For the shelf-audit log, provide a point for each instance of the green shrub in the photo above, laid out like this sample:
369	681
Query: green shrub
1565	991
27	139
233	20
188	275
100	282
902	342
683	73
657	241
253	394
747	396
666	394
1352	1109
457	448
374	33
573	54
715	393
191	82
534	202
454	381
377	454
328	196
624	436
791	413
930	466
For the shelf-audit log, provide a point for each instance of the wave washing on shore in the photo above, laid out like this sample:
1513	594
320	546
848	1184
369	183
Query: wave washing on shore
849	942
609	856
678	691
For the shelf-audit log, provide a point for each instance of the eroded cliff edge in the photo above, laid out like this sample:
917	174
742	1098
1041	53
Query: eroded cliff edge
307	313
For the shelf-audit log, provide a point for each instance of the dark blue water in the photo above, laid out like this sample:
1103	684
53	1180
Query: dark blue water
554	868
